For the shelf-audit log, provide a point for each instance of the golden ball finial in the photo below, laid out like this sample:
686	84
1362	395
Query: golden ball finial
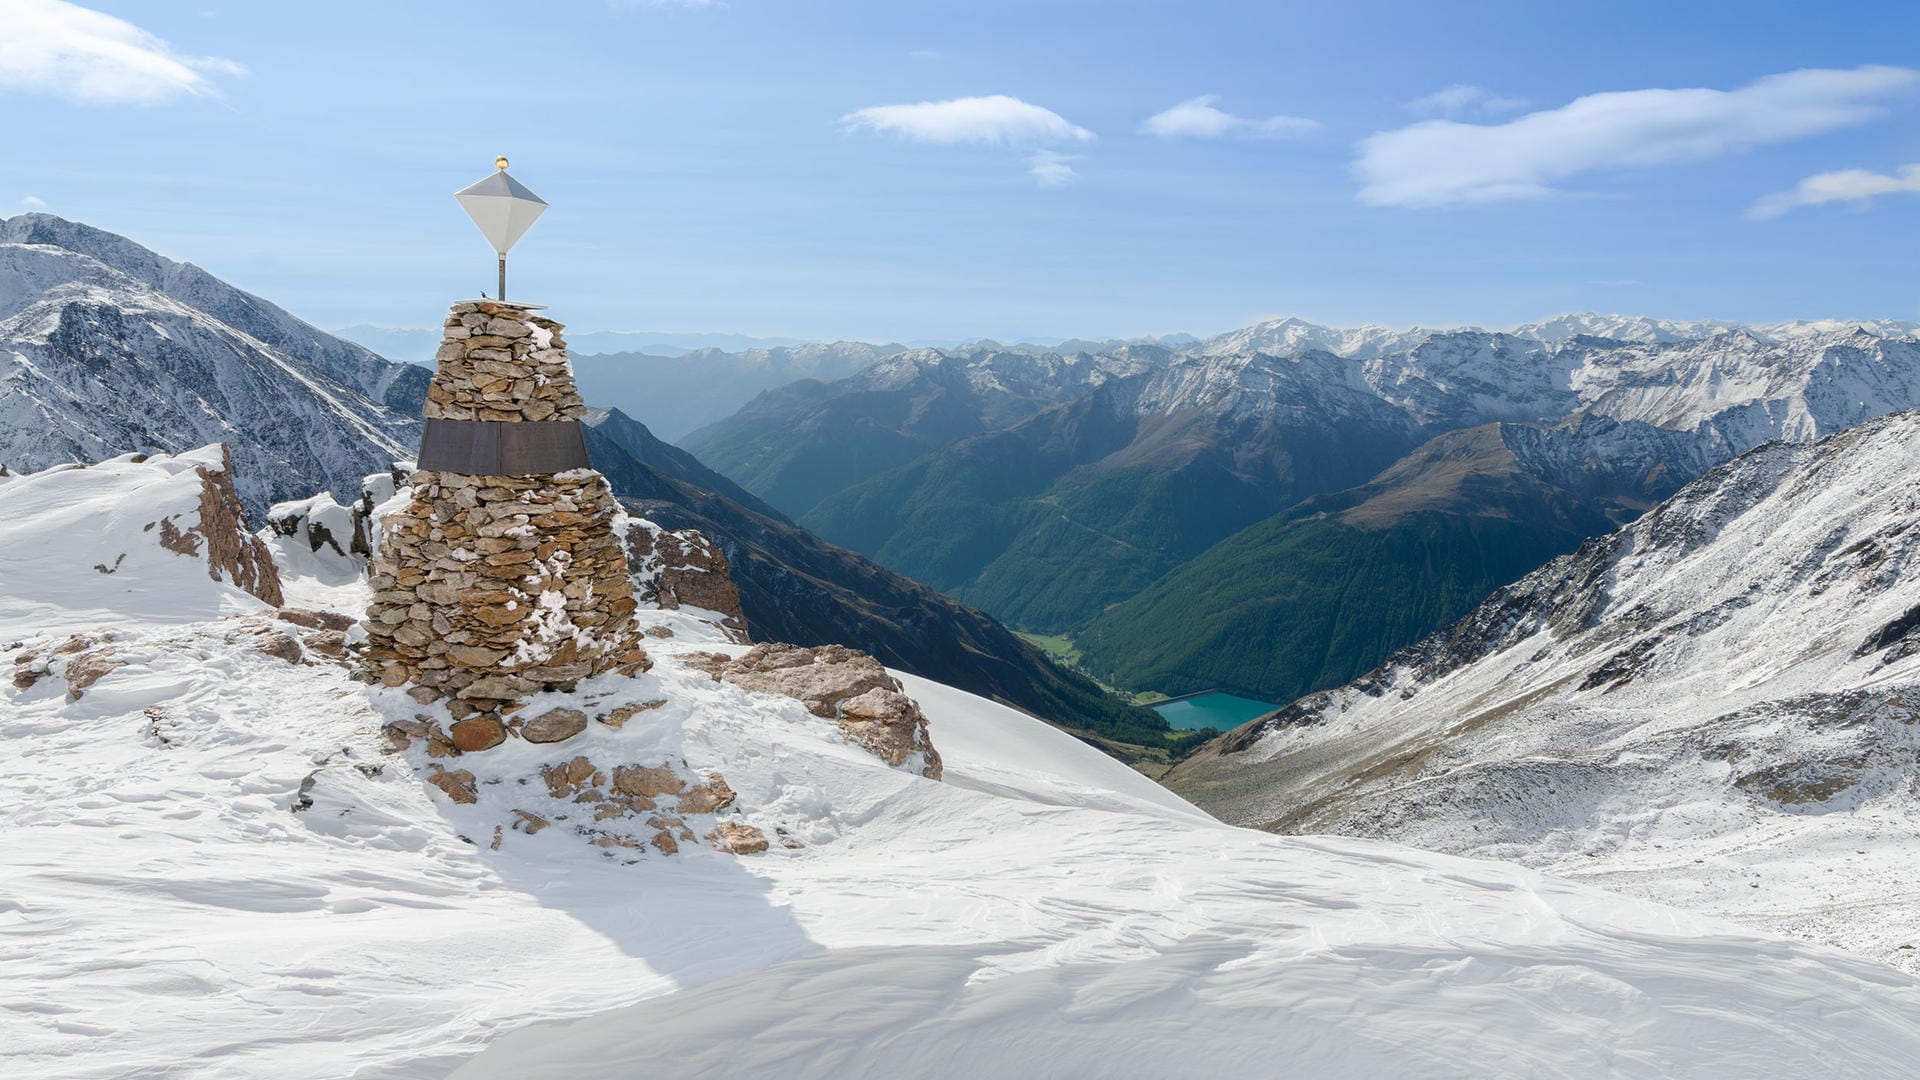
500	163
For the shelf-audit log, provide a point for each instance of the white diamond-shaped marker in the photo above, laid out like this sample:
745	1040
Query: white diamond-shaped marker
502	207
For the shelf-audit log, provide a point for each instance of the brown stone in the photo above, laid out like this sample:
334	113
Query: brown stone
618	716
400	734
88	668
495	687
279	645
331	643
648	781
474	656
738	838
458	784
478	733
566	778
316	620
708	797
554	725
498	615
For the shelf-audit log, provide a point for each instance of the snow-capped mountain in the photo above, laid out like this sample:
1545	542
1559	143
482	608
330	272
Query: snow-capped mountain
1712	707
390	384
268	880
1056	519
1290	335
107	348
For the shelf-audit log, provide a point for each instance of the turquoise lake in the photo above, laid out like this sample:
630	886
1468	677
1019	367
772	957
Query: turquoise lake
1223	711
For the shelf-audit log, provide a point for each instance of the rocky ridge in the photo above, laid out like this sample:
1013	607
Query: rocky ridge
1710	706
107	348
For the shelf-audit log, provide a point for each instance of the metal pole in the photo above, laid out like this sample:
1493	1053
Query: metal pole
503	276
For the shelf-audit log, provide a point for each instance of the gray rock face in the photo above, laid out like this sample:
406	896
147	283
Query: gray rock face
107	348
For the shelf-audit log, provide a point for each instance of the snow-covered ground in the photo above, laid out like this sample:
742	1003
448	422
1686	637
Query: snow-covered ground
209	868
1713	708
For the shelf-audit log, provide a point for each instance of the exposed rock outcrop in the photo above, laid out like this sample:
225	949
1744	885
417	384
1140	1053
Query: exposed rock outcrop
839	684
221	537
684	567
79	660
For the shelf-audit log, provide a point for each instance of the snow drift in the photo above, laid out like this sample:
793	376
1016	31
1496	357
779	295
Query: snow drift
212	867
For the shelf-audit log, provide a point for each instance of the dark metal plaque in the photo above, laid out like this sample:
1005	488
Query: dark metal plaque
503	448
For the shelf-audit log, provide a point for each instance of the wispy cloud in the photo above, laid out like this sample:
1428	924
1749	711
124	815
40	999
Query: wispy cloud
1857	186
1050	168
1617	283
34	202
996	118
924	54
1461	97
83	55
1196	118
1448	163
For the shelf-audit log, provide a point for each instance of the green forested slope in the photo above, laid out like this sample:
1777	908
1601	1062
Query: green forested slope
1321	593
1047	523
1295	604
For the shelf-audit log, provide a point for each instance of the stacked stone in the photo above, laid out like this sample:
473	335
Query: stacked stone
499	361
488	588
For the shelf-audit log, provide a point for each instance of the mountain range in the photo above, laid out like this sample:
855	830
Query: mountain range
1713	705
107	348
1274	510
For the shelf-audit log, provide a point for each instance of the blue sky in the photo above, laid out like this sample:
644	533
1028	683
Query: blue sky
742	166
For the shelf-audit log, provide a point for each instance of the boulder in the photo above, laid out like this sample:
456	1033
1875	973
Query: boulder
554	725
649	781
477	733
458	784
738	838
839	684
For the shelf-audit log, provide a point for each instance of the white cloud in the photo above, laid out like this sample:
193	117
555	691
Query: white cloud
1050	168
58	48
34	202
1846	185
1460	97
996	118
1447	163
1196	118
924	54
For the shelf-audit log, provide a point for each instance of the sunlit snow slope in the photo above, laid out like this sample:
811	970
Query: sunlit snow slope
210	869
1717	706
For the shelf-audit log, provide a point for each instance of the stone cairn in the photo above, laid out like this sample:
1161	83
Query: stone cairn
503	577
